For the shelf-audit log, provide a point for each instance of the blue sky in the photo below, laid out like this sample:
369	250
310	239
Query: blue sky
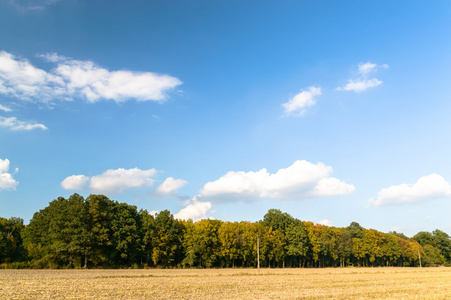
331	111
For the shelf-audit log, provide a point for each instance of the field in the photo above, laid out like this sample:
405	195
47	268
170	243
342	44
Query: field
347	283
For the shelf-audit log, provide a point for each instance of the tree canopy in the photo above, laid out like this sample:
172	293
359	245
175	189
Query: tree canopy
99	232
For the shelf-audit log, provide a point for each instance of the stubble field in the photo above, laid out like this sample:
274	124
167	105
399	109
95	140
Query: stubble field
348	283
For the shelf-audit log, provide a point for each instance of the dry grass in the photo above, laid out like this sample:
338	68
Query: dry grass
348	283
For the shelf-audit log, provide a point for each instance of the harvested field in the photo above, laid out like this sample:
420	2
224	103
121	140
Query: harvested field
348	283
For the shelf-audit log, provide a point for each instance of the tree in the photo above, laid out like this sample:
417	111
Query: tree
57	234
231	241
249	249
424	238
390	249
296	242
432	257
277	220
147	233
442	241
345	247
314	242
11	248
98	241
125	226
166	240
202	243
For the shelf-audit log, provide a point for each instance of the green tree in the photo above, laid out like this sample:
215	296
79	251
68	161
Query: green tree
345	247
390	249
11	248
166	240
148	231
296	243
277	220
57	234
125	226
442	241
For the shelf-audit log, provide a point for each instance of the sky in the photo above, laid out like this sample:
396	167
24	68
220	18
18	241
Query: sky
332	111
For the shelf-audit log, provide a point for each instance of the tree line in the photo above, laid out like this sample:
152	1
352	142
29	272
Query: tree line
97	232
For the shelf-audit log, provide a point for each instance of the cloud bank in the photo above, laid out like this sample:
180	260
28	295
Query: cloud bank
428	187
299	103
301	180
7	181
74	78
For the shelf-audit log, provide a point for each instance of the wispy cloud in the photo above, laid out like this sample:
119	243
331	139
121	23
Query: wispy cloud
359	85
72	79
299	103
363	83
31	5
301	180
7	181
426	188
14	124
5	109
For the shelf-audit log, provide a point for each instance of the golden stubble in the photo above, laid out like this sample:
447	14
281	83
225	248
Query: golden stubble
338	283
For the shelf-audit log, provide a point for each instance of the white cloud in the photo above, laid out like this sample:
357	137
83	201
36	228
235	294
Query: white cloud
299	181
360	85
15	124
170	185
4	165
325	222
363	83
116	181
196	210
7	181
4	108
97	83
153	213
75	182
301	101
366	68
52	57
73	78
20	79
428	187
31	5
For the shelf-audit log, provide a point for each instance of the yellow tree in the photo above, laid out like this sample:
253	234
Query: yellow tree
231	241
314	242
